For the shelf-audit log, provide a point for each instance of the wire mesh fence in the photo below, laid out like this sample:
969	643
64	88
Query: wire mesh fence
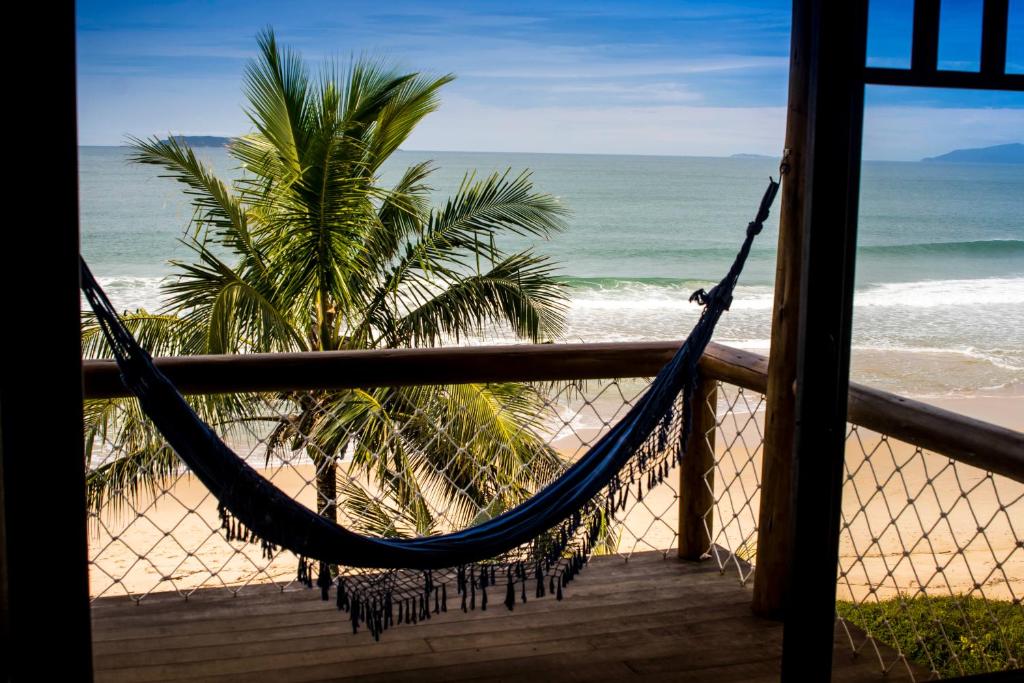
387	462
155	528
931	559
735	480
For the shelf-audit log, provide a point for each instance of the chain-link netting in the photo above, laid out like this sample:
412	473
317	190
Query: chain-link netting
154	527
931	558
450	457
735	480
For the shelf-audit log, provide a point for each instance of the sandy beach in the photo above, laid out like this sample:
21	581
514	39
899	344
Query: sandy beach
172	542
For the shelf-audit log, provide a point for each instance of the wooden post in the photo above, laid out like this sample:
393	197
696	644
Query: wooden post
696	474
833	158
774	516
44	571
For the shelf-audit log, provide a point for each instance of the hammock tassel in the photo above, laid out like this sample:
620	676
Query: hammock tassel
323	580
342	598
510	593
354	615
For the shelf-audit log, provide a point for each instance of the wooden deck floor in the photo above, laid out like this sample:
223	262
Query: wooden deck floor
651	619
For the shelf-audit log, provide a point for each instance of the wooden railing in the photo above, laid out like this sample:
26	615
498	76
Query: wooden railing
965	439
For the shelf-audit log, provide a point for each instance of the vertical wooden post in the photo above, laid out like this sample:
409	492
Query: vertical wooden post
774	516
833	159
696	475
44	596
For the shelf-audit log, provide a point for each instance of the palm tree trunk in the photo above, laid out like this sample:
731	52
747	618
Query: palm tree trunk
325	463
326	483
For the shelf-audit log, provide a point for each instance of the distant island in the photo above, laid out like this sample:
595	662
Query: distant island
751	156
202	140
1012	153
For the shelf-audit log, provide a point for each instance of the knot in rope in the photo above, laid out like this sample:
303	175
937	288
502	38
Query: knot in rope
712	297
754	228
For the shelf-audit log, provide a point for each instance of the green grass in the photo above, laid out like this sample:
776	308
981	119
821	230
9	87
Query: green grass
958	635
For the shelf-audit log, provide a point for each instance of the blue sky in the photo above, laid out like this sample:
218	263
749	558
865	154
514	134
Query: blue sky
698	78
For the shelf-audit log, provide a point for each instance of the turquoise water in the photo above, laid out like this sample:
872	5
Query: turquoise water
940	276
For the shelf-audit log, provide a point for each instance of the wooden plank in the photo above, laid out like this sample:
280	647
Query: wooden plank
649	619
232	623
441	634
607	569
496	659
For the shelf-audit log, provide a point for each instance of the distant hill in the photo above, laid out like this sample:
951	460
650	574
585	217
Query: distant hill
751	156
1012	153
203	140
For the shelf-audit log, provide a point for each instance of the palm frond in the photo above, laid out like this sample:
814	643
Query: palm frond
520	291
279	104
382	515
368	88
238	309
126	457
415	98
159	334
402	214
215	206
500	203
462	232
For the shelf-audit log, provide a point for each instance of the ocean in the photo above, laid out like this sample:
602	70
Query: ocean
939	306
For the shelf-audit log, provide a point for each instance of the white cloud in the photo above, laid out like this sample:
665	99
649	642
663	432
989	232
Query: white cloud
671	130
654	93
590	68
911	133
891	133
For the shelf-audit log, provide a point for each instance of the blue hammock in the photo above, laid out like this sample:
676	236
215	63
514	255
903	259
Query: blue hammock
546	539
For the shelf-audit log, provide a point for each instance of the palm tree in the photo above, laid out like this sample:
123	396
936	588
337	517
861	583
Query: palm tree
308	252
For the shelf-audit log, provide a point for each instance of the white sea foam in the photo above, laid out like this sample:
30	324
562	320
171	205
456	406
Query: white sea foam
129	293
642	296
936	293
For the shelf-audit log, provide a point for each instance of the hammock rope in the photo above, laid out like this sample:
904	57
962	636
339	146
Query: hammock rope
545	541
